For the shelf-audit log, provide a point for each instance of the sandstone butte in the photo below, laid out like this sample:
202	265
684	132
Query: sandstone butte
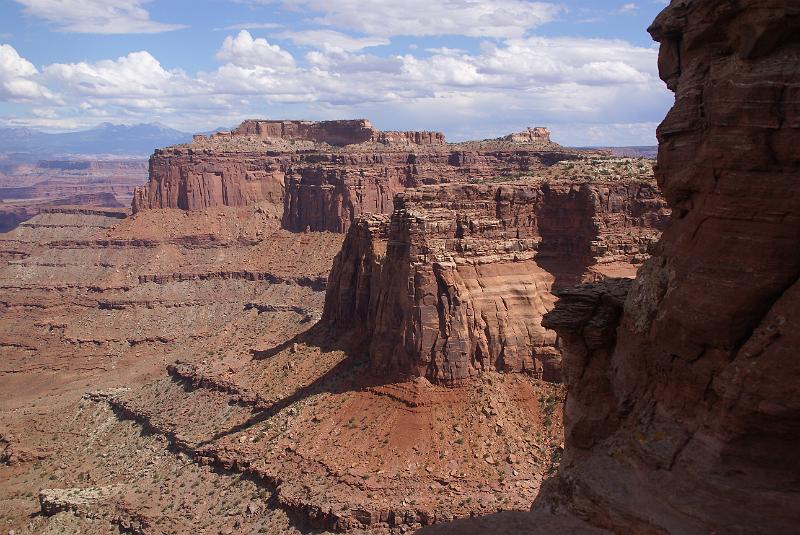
456	281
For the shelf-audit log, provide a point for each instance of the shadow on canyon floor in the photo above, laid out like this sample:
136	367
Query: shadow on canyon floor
350	374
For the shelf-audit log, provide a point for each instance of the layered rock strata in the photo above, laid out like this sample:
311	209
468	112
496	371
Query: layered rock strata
685	407
324	175
337	133
457	280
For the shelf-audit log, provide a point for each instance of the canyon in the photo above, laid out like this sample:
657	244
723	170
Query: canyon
30	184
224	334
320	327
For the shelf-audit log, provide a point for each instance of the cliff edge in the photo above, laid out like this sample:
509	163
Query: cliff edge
683	406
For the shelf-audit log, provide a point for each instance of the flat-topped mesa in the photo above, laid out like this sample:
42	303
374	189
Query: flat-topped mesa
322	175
538	134
337	133
348	132
456	282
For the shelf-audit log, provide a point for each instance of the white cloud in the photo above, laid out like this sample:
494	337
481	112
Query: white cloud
627	8
502	87
347	64
17	78
499	18
97	16
546	61
136	76
244	51
619	134
332	40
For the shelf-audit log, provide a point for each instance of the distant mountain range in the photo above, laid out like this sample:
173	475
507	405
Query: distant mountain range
107	138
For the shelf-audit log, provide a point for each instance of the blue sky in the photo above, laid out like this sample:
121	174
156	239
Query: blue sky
473	69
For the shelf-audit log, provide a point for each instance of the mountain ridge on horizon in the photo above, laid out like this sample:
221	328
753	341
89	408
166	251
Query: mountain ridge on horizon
105	138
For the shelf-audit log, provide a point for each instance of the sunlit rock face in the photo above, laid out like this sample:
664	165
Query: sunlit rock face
457	280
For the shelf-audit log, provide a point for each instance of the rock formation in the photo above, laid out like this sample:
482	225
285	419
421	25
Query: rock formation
323	175
530	135
337	133
683	411
457	281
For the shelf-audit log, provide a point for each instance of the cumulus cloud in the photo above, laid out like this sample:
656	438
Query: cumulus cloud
97	16
17	78
499	18
136	76
547	61
244	51
503	86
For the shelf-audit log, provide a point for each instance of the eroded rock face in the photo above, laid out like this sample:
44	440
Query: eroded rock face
696	410
338	133
530	135
457	281
193	180
324	175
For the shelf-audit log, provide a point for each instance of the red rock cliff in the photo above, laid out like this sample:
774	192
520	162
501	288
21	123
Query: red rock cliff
346	132
191	180
316	185
458	279
683	409
338	133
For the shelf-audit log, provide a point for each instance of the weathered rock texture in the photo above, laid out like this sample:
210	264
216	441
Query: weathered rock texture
683	415
323	175
457	281
183	178
530	135
347	132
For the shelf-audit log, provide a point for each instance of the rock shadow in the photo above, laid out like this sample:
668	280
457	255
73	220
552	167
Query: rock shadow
350	374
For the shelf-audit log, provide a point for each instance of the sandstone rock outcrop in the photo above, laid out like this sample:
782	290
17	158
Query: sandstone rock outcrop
530	135
181	178
683	415
457	281
323	175
337	133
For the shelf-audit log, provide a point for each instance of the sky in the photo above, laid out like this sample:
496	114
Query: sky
473	69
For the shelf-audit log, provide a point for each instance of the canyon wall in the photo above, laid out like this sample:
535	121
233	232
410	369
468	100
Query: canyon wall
322	176
683	406
186	179
457	280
